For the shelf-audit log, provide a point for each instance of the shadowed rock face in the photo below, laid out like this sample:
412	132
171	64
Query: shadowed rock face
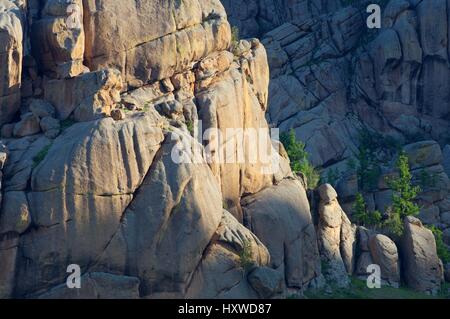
332	77
11	48
325	64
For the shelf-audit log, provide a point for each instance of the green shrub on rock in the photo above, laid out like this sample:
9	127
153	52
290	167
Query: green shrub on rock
299	158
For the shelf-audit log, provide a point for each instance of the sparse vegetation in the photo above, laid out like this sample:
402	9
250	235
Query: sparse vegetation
332	176
404	194
235	38
190	127
364	217
428	180
146	107
442	250
65	124
299	158
359	290
374	150
41	155
246	255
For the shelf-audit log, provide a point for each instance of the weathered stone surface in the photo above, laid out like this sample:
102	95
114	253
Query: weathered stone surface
117	35
333	228
364	260
422	154
42	108
28	125
222	273
327	193
250	167
256	17
97	285
446	161
348	243
15	214
280	217
117	115
50	126
8	256
11	52
57	40
86	96
176	212
79	209
266	281
384	253
419	256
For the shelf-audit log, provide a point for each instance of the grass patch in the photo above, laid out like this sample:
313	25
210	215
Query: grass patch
190	127
359	290
246	256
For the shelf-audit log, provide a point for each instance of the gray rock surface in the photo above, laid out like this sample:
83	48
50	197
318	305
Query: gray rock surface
421	264
281	219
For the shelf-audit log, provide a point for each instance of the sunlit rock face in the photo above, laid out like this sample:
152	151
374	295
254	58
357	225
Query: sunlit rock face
88	174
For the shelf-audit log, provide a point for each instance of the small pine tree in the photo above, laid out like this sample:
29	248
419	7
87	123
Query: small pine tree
362	216
299	158
442	250
404	194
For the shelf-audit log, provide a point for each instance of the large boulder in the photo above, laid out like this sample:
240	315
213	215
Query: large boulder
421	264
280	217
384	253
266	281
11	51
229	259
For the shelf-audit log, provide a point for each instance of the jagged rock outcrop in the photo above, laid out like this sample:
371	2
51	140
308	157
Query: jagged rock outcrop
332	77
107	166
256	17
336	238
422	268
104	170
58	39
87	97
384	253
11	54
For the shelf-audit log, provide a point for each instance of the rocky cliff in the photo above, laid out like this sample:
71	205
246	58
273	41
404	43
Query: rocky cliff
103	106
355	94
